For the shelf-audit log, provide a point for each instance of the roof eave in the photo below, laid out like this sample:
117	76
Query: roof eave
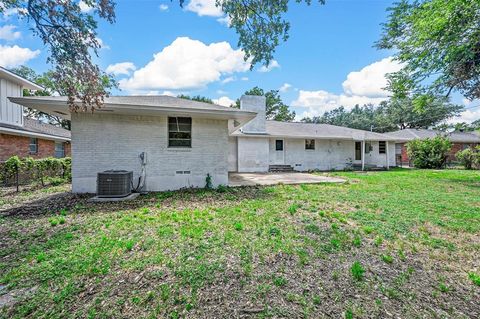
11	131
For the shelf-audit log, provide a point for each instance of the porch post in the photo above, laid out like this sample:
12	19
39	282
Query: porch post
363	154
388	166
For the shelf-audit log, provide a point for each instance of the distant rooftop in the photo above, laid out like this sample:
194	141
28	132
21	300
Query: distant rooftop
321	131
37	127
411	134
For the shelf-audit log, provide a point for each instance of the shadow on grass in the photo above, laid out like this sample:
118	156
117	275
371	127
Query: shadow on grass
181	199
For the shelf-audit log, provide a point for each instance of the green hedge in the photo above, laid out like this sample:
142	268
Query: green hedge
16	170
469	158
429	152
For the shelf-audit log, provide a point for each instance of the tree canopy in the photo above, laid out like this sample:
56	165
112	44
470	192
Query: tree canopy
71	37
197	98
437	41
51	87
391	115
275	108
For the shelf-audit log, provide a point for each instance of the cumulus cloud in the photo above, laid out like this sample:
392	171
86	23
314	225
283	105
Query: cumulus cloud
7	32
370	81
204	8
285	87
12	56
121	68
273	64
163	7
224	101
360	87
228	79
187	64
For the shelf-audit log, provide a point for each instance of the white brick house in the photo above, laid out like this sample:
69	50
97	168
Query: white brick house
186	140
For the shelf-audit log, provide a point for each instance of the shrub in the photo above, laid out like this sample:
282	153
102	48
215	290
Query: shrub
31	170
430	152
469	158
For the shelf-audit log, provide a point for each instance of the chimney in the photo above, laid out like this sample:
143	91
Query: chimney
256	104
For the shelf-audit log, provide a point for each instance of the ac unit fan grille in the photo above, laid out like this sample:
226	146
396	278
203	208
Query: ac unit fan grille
114	183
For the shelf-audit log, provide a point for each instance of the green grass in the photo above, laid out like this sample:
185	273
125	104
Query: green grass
169	254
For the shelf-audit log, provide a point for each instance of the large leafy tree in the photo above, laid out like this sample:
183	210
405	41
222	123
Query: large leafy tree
391	115
367	117
275	108
52	87
438	41
71	37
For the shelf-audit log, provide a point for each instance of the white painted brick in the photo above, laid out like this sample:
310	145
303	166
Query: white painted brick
105	141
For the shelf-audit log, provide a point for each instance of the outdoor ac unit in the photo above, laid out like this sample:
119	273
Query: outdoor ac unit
114	183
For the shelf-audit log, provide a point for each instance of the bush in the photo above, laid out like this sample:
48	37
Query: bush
430	152
469	158
31	170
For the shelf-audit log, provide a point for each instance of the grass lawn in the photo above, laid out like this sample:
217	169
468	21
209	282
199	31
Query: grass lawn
403	243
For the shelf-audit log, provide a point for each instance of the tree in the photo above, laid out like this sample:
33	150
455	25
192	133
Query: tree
275	108
71	37
437	40
51	87
429	152
197	98
367	117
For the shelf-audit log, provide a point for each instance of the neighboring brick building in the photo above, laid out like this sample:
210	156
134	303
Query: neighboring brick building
460	141
23	136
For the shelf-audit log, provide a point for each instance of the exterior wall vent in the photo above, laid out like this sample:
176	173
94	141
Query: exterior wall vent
114	183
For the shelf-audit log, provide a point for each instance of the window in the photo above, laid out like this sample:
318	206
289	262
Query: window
382	147
59	149
309	144
358	151
179	132
33	145
368	147
279	145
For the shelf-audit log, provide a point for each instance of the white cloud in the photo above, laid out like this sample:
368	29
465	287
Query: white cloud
85	8
187	64
224	101
7	32
228	79
204	8
102	44
11	56
163	7
285	87
221	92
360	87
244	78
318	102
13	11
226	21
121	68
370	81
272	65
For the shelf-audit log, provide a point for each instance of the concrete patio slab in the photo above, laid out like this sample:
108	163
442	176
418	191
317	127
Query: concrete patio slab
252	179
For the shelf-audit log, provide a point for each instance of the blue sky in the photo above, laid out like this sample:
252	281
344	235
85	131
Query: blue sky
156	47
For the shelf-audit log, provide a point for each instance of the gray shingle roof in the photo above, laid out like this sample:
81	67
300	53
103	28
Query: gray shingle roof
411	134
35	126
320	131
148	100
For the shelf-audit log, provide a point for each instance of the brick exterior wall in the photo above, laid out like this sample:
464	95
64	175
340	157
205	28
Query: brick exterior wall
451	155
108	141
20	145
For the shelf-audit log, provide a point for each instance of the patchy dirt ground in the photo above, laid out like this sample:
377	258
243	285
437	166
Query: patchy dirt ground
367	249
